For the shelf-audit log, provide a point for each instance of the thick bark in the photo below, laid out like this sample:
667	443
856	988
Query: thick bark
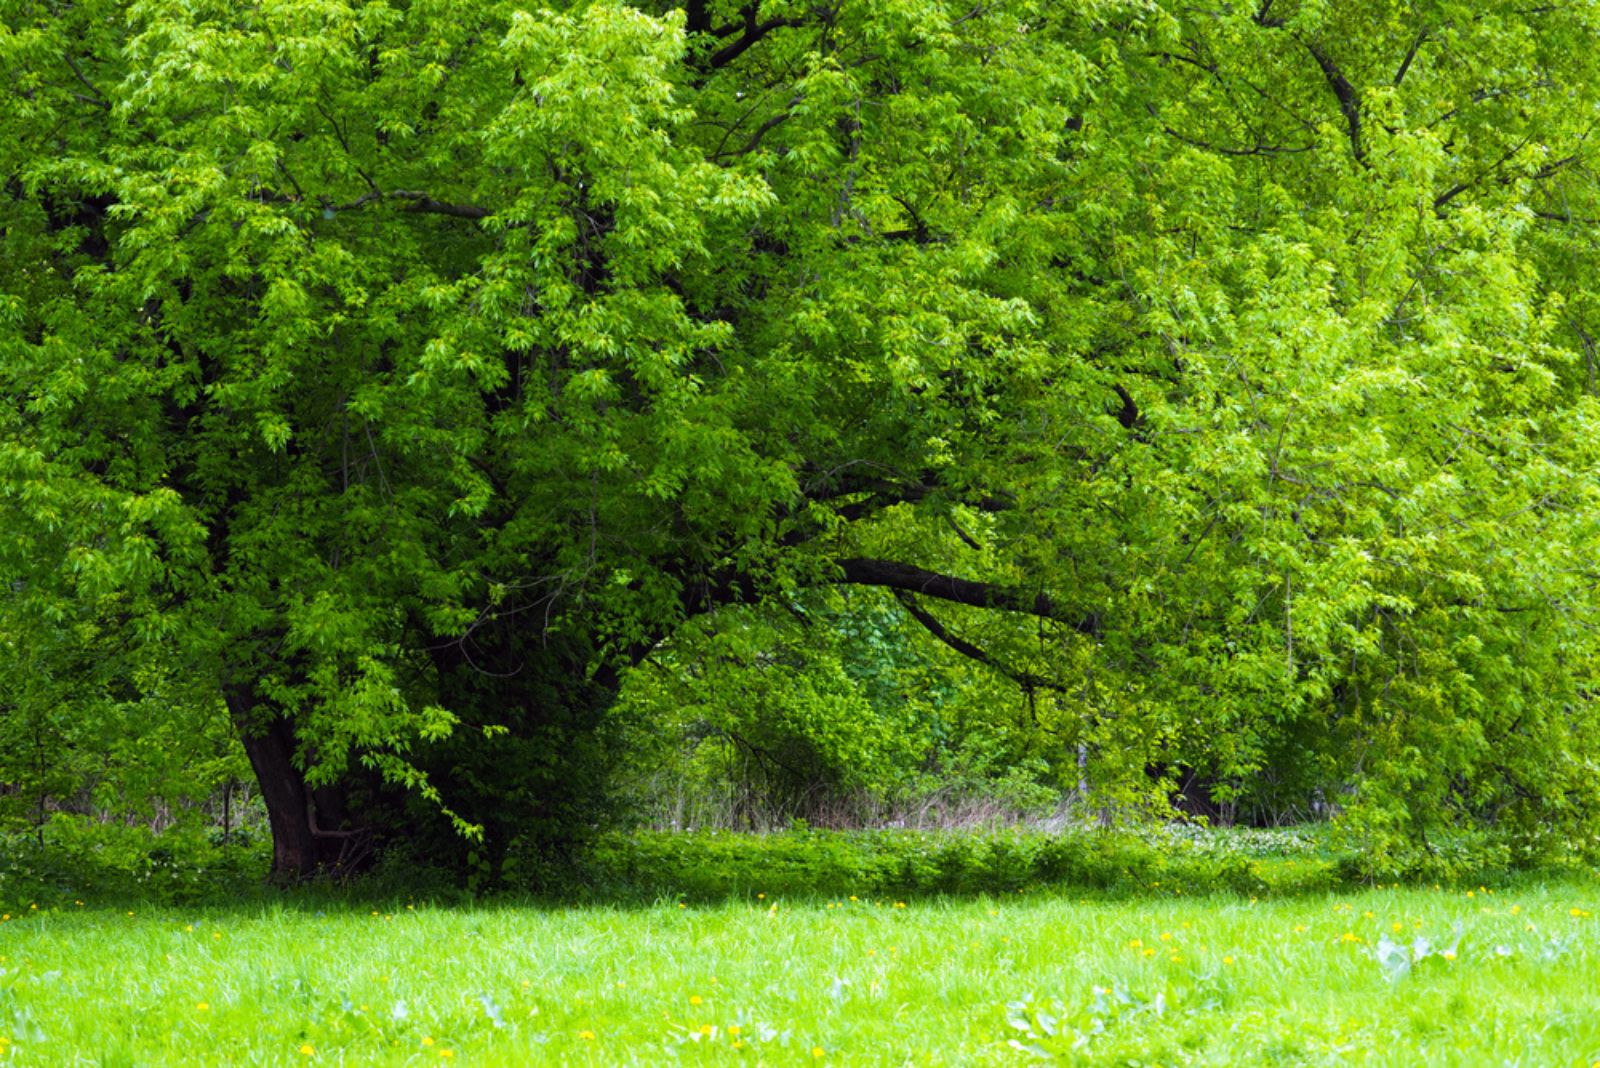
303	845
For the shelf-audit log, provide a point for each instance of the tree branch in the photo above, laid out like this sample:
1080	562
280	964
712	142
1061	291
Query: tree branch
753	32
1405	64
1349	99
415	202
697	17
95	97
891	574
931	624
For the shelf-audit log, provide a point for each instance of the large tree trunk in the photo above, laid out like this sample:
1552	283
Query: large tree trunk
537	790
308	836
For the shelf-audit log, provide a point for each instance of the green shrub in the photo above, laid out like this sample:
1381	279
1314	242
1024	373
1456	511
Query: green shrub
80	858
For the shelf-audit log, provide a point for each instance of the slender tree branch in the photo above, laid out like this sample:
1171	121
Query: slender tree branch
1411	54
95	96
931	624
967	539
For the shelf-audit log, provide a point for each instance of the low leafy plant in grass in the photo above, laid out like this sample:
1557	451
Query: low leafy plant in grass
708	865
107	862
1389	977
82	858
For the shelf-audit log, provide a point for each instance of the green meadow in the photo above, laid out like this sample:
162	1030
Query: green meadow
1384	977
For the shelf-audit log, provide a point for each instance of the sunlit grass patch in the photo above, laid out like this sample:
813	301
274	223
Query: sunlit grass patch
1379	977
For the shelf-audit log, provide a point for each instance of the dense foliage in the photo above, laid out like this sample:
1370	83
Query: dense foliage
397	376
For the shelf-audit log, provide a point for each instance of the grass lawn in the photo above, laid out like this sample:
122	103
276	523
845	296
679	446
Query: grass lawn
1409	976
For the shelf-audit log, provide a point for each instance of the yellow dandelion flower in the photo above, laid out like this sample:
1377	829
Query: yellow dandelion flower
1166	936
1135	943
1150	952
1397	927
1227	960
587	1036
733	1029
447	1053
1448	954
427	1040
818	1051
696	1000
307	1050
705	1029
738	1044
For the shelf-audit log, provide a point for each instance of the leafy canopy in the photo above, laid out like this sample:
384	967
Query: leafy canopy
1249	347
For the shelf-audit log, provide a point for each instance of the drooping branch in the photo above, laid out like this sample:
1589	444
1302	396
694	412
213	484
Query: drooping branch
930	623
891	574
733	585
